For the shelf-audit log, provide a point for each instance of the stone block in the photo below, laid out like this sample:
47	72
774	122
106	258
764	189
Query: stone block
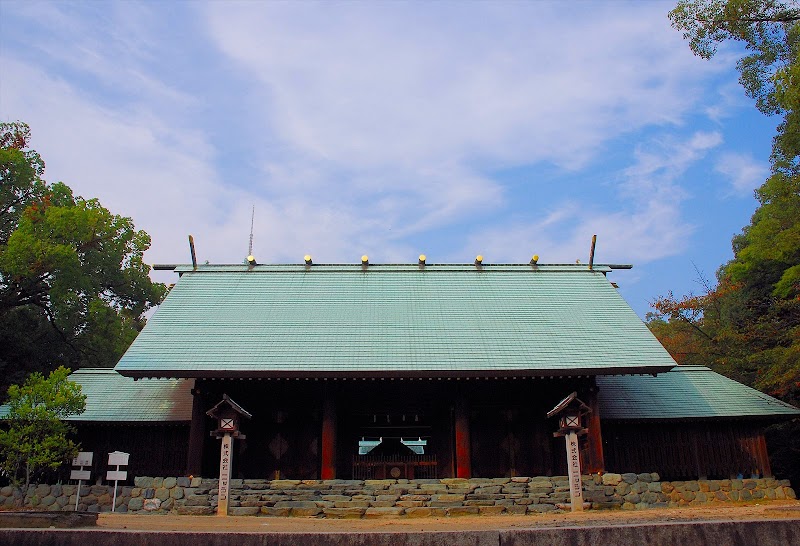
176	492
336	498
667	487
48	500
392	498
157	482
456	482
381	504
639	487
343	513
275	512
379	484
162	493
520	479
169	483
425	512
629	477
541	508
736	485
183	481
721	496
645	477
195	510
283	484
611	479
701	496
622	489
136	503
152	504
383	512
518	510
633	498
749	484
491	510
196	500
448	497
306	512
463	511
352	504
628	506
745	495
540	490
244	511
166	505
692	486
790	494
409	504
295	504
608	505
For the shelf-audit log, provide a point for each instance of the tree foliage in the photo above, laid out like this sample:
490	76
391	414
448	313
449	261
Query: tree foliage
35	440
767	28
73	283
747	325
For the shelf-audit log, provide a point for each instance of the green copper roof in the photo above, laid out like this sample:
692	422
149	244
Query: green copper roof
328	320
686	392
112	397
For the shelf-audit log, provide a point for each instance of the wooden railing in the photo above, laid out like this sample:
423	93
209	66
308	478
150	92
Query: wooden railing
379	467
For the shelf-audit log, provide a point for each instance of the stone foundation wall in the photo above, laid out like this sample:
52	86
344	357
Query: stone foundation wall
392	498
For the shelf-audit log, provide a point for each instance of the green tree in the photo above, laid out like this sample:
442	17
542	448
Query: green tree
747	326
767	28
35	440
73	284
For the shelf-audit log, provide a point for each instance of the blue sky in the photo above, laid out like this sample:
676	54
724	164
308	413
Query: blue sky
393	129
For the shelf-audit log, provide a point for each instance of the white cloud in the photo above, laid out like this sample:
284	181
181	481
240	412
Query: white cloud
365	126
744	173
647	226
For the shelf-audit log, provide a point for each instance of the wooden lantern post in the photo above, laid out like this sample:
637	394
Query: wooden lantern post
570	412
228	414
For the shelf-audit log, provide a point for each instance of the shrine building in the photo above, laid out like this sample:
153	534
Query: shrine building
416	371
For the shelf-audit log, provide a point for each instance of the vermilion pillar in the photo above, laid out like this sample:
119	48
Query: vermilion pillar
328	471
463	451
594	439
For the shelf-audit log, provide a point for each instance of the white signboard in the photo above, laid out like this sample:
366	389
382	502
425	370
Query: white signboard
117	475
84	458
225	456
118	458
80	475
574	471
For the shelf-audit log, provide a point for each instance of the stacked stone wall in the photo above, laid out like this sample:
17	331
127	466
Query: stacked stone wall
393	498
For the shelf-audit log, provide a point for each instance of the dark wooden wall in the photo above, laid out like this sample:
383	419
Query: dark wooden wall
685	450
155	449
509	432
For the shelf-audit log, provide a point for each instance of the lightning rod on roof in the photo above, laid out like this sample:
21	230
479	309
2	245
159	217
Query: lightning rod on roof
252	219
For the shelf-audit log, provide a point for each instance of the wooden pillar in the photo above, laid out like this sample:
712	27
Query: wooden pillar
463	448
594	439
197	432
328	470
763	455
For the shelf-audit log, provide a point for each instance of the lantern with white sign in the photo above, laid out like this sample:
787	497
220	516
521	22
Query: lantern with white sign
570	412
227	413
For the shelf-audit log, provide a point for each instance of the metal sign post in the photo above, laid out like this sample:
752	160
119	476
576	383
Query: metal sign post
117	458
84	458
